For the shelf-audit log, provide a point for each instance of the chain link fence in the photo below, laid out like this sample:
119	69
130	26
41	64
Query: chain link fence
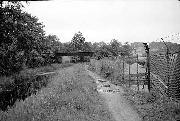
165	73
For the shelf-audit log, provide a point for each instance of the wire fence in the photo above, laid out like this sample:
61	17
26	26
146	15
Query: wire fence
165	73
162	71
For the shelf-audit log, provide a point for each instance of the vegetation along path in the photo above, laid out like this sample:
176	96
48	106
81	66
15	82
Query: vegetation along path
70	96
118	106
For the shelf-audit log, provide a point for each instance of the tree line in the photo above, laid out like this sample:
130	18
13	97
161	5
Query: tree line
24	43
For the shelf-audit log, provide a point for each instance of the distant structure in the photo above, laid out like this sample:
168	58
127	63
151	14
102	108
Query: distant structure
73	57
66	59
140	51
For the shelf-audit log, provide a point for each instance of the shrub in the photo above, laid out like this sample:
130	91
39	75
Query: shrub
70	96
110	69
22	85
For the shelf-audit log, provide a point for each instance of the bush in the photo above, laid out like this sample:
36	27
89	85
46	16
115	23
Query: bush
11	63
110	69
22	85
71	96
153	106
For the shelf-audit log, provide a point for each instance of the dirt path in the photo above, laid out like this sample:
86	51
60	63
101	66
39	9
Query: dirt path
119	107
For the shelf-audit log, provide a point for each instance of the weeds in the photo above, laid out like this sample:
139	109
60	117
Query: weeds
71	96
22	85
151	106
110	69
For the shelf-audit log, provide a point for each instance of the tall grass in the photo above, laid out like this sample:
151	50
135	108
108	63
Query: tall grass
70	96
30	72
110	69
22	85
150	106
153	106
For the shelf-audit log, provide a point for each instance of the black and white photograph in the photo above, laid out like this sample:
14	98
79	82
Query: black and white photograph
90	60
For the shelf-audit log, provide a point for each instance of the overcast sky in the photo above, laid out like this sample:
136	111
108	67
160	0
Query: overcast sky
104	20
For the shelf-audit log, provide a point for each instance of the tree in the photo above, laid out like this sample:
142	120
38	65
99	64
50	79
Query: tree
137	45
115	47
78	43
126	49
51	46
101	50
95	46
52	42
21	35
66	47
87	46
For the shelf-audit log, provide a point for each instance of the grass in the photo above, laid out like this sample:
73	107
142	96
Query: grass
70	96
150	106
22	85
153	106
109	69
29	73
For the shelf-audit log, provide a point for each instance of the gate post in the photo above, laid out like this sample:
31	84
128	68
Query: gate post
123	68
137	74
129	74
148	66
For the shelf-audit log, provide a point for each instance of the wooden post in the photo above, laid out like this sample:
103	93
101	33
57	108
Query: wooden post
137	74
129	73
168	66
148	66
123	69
143	83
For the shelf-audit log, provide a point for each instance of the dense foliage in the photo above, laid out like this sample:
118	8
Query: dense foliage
22	40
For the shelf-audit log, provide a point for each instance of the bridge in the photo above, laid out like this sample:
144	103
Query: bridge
80	54
74	54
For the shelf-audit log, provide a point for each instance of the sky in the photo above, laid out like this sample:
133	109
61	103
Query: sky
104	20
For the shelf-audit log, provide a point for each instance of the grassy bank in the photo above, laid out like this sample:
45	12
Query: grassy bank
70	96
29	72
27	82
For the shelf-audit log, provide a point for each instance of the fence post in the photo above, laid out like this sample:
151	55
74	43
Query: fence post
137	74
123	68
129	73
168	71
148	66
